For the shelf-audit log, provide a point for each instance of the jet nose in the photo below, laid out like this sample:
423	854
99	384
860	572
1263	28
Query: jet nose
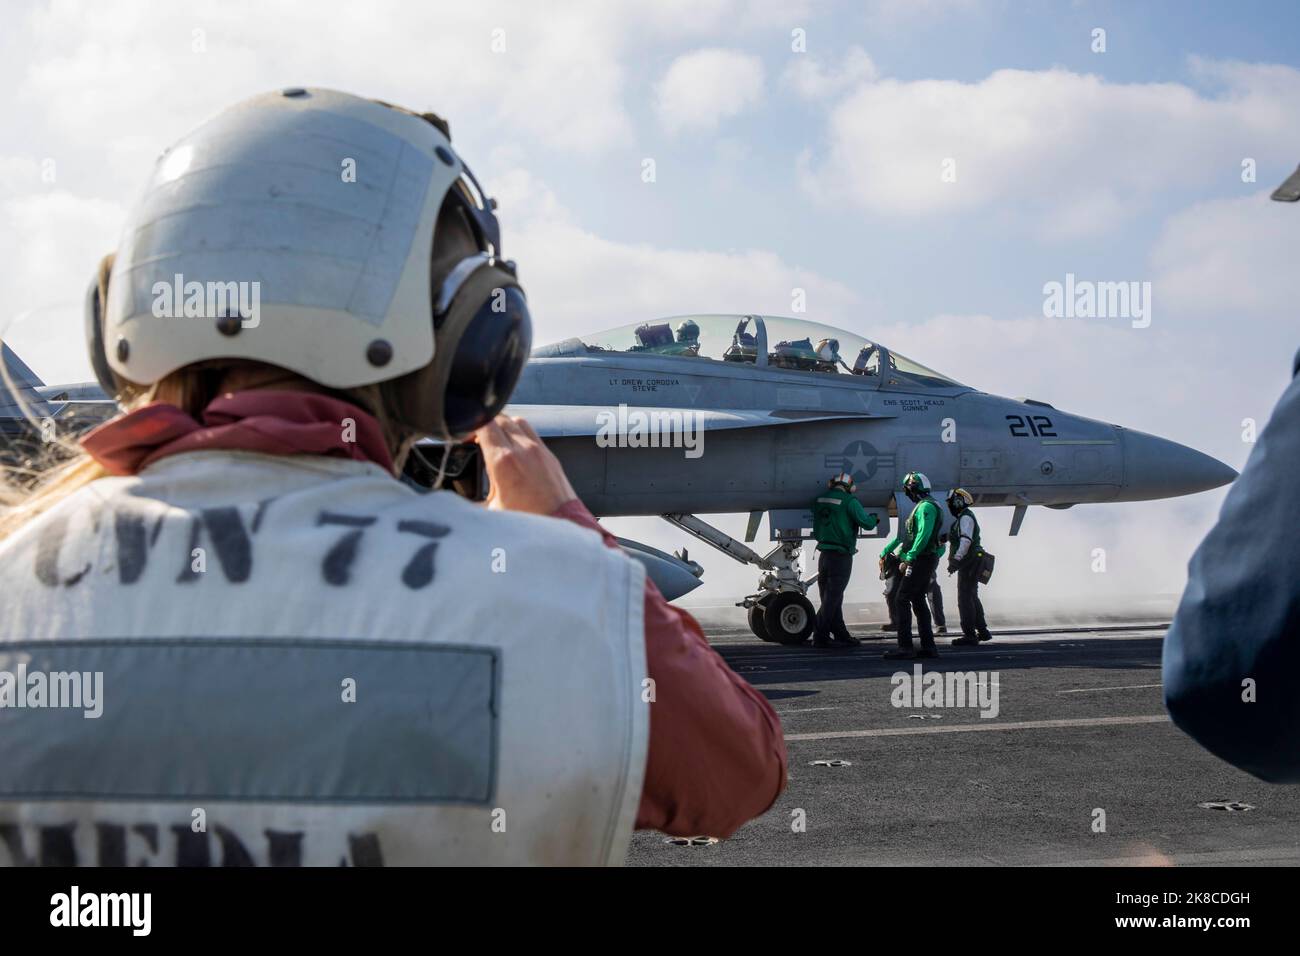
1158	468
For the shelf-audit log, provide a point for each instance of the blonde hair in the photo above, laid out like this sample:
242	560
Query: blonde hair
60	467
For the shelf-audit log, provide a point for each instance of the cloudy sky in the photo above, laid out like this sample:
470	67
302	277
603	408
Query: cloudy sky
794	145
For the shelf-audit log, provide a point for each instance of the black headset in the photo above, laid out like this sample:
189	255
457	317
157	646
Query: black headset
483	332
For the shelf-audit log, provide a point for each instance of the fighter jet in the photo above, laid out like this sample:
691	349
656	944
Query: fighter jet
720	414
725	414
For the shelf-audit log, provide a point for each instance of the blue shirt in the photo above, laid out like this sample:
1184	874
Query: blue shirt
1239	618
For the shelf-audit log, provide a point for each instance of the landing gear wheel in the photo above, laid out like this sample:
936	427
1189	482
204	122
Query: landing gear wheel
788	618
756	623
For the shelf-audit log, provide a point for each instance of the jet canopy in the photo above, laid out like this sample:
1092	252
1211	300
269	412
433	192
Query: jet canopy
762	341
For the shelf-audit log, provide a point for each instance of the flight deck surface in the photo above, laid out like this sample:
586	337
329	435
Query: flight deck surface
1080	727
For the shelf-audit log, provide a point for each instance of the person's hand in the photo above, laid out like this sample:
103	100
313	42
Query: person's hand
952	566
523	473
881	564
904	567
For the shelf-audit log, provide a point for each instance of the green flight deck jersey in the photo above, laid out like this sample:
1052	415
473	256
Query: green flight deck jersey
837	516
922	531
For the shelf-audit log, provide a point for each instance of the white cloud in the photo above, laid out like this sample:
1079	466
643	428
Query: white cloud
702	18
132	78
580	282
814	78
1072	153
51	245
705	86
1232	261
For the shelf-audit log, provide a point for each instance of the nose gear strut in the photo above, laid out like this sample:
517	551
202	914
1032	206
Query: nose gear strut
779	611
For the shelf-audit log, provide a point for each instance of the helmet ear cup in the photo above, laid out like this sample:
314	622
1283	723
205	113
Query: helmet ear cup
486	361
481	346
96	300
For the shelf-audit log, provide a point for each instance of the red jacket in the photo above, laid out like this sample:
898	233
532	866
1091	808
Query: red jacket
717	757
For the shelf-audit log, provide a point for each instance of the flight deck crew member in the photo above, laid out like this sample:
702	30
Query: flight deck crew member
893	581
964	558
837	516
918	562
334	665
1232	655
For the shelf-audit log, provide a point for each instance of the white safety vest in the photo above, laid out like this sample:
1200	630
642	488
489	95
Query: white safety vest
299	660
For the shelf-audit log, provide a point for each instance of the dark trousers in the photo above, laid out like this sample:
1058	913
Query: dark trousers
911	598
968	601
891	597
936	600
834	568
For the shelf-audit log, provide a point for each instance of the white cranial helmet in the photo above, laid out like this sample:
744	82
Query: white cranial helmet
305	219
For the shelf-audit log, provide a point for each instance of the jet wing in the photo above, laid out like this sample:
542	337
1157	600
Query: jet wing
1289	191
559	421
18	388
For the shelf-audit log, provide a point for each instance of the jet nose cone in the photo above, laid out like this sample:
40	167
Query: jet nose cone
1159	468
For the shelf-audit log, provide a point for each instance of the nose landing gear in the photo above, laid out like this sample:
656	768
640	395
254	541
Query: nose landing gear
779	612
788	617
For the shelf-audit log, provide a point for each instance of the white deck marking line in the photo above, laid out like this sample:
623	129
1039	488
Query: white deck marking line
803	710
963	728
1089	690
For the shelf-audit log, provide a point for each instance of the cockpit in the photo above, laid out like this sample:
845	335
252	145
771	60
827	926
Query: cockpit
762	341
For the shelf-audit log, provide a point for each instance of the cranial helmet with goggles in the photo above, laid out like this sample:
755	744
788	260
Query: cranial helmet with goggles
916	486
959	499
298	229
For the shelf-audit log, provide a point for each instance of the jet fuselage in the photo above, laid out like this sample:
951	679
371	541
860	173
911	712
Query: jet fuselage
1004	451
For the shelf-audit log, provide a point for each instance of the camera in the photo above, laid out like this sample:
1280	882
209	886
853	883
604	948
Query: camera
464	472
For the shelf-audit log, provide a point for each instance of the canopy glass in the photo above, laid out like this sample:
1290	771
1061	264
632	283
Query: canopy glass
772	341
